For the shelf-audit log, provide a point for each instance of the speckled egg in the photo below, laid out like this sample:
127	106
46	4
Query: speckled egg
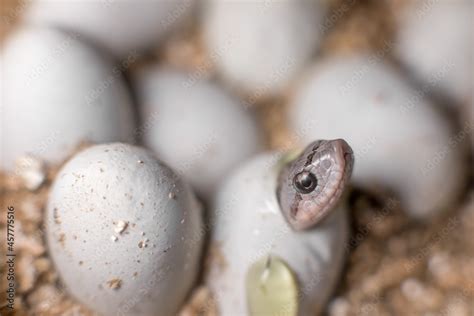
260	46
123	27
124	231
401	143
258	265
58	92
195	126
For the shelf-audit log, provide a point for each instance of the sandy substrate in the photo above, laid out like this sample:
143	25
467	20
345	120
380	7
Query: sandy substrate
395	266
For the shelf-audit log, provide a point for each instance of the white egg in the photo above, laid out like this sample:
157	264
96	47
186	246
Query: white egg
121	230
194	126
435	40
248	226
58	92
260	46
121	26
401	143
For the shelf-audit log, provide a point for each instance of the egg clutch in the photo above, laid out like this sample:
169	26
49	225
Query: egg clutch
187	147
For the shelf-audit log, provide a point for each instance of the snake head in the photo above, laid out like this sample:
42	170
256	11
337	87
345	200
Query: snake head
311	185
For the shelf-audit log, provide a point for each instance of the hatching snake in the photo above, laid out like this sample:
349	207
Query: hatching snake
311	185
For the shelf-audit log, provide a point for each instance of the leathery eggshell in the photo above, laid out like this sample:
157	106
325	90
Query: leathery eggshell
123	27
121	230
58	92
197	128
237	32
250	233
401	143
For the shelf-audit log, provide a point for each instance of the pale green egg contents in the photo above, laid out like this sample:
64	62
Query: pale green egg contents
272	288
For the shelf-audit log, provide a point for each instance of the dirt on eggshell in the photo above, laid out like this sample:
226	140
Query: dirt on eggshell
394	266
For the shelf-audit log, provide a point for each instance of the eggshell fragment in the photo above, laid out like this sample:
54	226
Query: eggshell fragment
122	191
121	26
272	288
435	40
57	92
194	126
400	141
248	225
260	46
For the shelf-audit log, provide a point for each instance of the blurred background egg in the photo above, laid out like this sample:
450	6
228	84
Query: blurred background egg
435	42
196	127
260	46
120	26
400	141
248	228
121	230
58	92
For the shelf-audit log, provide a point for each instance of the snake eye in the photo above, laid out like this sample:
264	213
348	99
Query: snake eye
305	182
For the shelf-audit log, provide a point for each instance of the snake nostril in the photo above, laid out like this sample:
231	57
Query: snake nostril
348	156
